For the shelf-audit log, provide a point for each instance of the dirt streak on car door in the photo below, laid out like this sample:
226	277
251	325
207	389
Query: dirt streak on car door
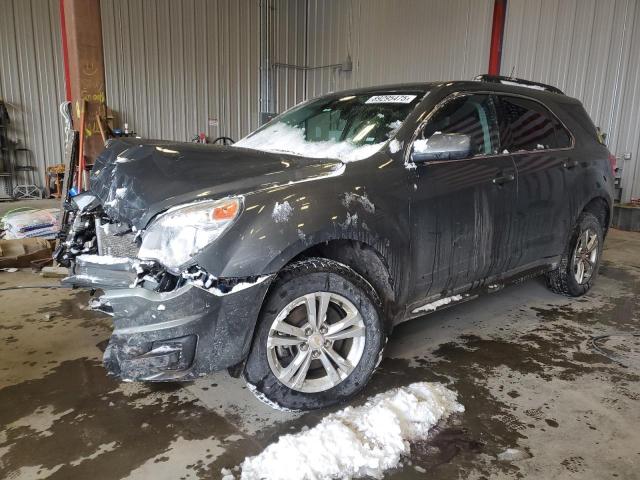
538	143
461	222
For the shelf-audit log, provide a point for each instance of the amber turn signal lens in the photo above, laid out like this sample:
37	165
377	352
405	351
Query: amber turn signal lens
226	211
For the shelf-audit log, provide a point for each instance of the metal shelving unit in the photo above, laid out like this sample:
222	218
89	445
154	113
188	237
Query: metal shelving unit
7	174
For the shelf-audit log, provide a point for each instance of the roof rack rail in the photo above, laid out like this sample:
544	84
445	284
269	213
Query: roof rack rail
518	82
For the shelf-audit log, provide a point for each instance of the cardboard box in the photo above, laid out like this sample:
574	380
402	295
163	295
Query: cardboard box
20	253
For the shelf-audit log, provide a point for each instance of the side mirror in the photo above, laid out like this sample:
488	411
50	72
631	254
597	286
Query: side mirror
441	146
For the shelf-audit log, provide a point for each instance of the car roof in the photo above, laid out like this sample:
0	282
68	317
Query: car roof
469	85
397	87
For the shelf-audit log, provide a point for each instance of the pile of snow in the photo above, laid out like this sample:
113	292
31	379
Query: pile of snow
283	138
356	442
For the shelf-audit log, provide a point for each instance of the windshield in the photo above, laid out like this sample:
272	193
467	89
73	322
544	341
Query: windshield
349	128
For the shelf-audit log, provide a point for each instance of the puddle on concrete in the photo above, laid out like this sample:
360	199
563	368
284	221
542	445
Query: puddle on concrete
140	421
75	422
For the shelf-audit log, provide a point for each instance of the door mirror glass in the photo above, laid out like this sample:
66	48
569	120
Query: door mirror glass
441	146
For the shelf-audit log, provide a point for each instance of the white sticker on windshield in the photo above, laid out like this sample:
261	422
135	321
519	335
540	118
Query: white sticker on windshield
391	99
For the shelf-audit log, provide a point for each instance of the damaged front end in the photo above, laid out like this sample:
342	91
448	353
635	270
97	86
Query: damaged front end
169	323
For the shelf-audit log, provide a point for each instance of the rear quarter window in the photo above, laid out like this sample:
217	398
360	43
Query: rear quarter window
581	118
527	125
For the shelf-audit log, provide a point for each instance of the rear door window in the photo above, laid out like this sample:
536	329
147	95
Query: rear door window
473	115
526	125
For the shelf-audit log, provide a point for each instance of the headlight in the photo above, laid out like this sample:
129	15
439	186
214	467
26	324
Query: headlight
181	232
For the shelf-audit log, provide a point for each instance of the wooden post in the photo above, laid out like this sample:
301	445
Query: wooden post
83	29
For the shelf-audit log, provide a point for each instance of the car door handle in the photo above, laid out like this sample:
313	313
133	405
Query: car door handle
501	180
569	164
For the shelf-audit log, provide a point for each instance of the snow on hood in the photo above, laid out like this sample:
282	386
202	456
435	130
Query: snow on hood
356	442
283	138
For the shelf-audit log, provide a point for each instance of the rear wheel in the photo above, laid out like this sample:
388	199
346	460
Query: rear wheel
319	339
580	262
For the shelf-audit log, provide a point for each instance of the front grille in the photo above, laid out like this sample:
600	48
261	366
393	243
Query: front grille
113	241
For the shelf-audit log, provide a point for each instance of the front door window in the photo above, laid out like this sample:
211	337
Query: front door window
472	115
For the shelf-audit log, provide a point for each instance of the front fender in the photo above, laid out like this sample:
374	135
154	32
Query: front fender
279	223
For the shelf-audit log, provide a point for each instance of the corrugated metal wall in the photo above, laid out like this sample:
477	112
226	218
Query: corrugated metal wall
591	50
177	68
32	79
393	41
172	65
288	46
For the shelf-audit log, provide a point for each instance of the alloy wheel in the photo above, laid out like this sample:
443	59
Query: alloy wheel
315	342
585	256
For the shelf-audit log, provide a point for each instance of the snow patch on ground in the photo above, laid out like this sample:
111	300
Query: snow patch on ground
283	138
281	212
356	442
430	307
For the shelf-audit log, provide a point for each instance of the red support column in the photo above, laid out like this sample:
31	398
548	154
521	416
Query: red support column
497	34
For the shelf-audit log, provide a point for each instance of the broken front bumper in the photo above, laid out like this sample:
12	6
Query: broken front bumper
175	335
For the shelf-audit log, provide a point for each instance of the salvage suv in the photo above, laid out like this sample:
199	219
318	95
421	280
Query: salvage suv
289	257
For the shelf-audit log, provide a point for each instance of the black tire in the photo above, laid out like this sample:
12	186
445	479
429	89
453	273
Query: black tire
299	279
562	280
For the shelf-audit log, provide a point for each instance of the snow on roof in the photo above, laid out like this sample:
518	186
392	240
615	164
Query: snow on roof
283	138
356	442
526	85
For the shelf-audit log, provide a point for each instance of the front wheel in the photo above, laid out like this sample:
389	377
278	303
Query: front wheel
319	338
580	262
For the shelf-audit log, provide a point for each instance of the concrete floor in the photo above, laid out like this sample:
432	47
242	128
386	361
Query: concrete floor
520	359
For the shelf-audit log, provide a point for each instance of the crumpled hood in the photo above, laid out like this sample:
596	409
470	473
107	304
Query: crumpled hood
137	179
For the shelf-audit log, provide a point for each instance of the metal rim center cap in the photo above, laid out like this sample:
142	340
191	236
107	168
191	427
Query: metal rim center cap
316	341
